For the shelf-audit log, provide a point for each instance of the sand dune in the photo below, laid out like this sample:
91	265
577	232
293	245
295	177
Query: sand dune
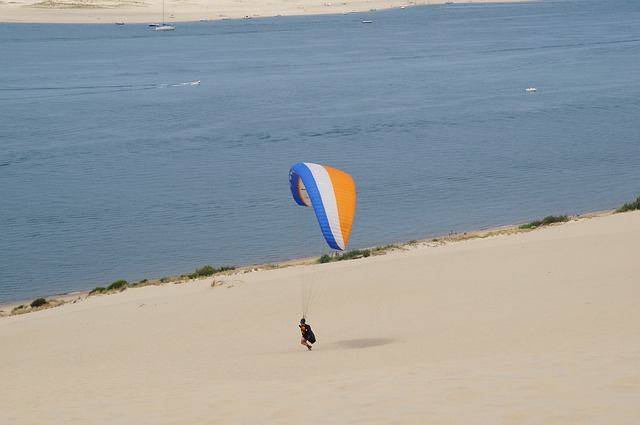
533	328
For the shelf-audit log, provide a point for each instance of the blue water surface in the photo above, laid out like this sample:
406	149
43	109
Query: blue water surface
113	166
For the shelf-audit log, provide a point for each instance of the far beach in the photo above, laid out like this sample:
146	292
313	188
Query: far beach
129	12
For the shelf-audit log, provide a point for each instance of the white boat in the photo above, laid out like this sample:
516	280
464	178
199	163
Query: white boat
531	89
195	83
367	22
154	24
164	27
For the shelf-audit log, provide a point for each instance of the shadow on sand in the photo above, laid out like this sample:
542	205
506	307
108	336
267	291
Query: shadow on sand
363	343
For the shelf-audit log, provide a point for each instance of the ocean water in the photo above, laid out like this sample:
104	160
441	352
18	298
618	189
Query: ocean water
113	166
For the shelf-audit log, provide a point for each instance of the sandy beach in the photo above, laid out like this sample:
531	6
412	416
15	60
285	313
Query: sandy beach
531	328
141	11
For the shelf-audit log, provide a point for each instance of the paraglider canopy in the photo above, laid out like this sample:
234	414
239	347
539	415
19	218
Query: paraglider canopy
331	193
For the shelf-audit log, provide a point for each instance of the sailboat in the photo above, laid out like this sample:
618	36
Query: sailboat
164	27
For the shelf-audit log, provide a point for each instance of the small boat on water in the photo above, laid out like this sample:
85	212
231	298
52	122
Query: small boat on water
367	22
531	89
164	27
154	24
195	83
119	23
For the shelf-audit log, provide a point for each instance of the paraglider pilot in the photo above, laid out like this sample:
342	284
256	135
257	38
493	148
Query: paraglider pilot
308	337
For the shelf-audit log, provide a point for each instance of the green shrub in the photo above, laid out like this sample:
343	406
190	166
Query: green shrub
349	255
326	258
550	219
97	290
208	270
39	302
118	285
205	271
357	253
390	247
632	206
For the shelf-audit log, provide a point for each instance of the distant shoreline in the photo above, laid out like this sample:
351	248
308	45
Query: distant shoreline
73	297
124	12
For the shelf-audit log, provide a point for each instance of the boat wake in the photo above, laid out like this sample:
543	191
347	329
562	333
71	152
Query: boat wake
7	93
190	83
